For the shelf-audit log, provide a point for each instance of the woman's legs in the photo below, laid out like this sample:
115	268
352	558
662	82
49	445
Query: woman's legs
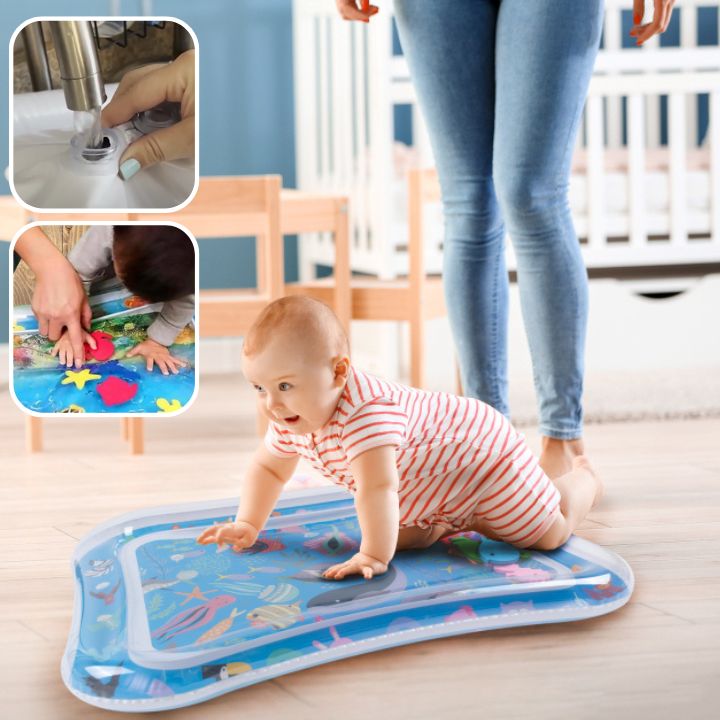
545	51
451	55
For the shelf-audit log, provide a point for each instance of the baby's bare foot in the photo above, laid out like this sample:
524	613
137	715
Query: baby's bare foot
557	455
581	462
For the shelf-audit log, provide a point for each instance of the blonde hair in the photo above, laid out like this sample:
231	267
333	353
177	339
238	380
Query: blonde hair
310	320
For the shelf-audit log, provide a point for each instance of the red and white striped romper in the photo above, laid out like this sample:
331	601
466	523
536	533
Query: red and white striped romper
457	458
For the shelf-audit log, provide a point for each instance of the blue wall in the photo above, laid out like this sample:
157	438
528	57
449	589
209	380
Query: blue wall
246	106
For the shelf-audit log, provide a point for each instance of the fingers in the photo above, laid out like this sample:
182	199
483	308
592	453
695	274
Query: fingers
172	143
43	327
132	352
661	19
86	318
349	10
75	337
54	330
140	89
149	364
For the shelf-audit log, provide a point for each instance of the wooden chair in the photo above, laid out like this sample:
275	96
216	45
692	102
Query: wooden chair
414	299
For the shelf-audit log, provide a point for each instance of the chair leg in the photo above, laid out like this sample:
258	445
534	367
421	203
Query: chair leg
136	435
417	351
33	434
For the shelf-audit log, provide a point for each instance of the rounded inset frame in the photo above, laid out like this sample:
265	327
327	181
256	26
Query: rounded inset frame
132	288
63	71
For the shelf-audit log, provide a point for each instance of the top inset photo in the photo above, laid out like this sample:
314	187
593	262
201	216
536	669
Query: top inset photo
103	114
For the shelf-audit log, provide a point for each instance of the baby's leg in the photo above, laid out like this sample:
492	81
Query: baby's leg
579	490
411	538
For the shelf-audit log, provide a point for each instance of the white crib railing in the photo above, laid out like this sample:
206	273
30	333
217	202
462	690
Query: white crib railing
347	84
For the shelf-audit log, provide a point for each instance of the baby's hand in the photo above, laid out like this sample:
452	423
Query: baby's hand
358	564
154	352
64	350
239	534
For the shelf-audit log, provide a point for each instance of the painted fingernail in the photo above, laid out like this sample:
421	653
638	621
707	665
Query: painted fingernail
637	17
129	168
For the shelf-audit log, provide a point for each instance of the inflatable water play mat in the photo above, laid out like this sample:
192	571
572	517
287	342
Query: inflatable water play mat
108	381
161	622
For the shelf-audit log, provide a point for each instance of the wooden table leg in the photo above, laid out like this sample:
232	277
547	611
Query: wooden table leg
33	434
136	435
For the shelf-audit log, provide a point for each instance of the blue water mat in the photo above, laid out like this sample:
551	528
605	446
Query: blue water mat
161	622
110	382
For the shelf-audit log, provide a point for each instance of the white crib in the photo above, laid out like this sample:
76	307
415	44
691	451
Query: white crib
636	201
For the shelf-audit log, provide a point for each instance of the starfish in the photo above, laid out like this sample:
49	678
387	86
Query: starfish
79	378
196	593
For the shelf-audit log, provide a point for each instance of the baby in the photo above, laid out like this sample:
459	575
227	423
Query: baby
420	464
155	262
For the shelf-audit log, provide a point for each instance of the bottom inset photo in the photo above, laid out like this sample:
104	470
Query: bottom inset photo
103	319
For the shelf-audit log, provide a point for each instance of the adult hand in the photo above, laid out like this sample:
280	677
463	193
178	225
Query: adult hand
144	89
660	21
59	300
350	11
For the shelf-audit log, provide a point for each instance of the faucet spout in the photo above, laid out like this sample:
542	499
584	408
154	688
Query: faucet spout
79	64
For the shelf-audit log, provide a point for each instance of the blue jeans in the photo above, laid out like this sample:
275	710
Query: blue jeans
502	84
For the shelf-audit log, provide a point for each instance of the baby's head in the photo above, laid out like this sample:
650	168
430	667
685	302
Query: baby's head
156	262
296	355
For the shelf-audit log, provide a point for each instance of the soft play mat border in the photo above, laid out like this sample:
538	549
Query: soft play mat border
126	524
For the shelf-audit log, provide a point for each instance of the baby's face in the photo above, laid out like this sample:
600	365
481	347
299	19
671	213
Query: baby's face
295	389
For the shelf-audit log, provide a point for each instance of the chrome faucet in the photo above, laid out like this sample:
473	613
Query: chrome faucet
79	64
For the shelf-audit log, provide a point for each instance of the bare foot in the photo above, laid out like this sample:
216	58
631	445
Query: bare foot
557	456
581	462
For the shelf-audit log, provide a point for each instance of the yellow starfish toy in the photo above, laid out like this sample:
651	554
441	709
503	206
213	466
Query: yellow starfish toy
79	378
168	406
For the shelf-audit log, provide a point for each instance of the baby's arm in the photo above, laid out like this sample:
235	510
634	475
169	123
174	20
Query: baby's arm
264	482
377	504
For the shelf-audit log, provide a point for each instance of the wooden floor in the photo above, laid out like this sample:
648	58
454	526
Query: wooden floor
659	657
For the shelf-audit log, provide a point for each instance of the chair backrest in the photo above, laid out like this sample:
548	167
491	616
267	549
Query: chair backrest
238	206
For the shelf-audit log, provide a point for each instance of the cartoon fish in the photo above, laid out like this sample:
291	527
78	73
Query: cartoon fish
281	593
277	617
263	546
109	597
155	584
498	553
333	542
177	557
266	569
600	592
465	612
134	301
192	618
523	574
99	568
223	672
241	588
237	576
107	620
217	630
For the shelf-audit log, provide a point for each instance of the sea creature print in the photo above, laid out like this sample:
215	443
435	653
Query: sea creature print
217	630
337	641
156	584
223	672
109	597
263	546
192	618
177	557
98	568
195	594
277	617
333	542
522	574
